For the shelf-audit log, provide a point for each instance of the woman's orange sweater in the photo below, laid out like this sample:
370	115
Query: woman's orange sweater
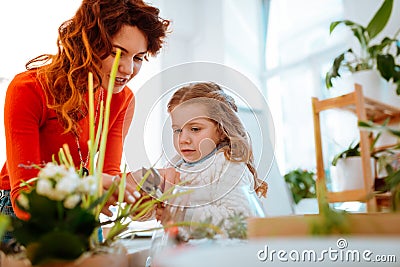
34	134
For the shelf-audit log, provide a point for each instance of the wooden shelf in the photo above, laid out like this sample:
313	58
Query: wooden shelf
365	109
359	224
349	195
377	111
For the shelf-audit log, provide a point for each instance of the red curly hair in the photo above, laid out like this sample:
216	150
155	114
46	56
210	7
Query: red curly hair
83	42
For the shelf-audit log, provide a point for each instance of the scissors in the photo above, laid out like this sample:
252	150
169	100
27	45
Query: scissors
152	182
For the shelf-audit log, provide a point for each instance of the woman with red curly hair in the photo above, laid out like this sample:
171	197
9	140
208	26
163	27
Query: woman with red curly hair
47	105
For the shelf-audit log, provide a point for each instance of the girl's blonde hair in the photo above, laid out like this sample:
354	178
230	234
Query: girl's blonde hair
221	109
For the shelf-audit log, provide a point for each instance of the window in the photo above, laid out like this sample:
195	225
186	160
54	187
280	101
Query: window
298	53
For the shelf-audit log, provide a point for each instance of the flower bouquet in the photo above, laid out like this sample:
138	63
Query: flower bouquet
64	205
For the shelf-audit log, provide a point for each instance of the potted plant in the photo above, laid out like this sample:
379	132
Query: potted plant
348	163
377	58
351	151
301	183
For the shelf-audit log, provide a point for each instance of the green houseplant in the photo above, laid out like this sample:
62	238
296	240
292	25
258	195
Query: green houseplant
372	55
301	183
348	163
353	150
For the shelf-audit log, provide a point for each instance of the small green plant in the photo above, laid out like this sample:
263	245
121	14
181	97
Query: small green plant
203	229
233	226
237	226
354	149
371	56
301	184
331	221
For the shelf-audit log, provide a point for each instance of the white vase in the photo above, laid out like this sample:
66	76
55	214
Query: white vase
348	174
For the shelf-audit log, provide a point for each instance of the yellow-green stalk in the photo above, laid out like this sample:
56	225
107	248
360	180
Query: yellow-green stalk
103	140
92	148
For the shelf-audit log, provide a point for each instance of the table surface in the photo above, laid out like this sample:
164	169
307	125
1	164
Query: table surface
289	252
138	250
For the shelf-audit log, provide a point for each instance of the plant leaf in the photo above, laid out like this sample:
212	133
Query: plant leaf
385	65
398	47
334	71
357	29
380	19
49	247
333	25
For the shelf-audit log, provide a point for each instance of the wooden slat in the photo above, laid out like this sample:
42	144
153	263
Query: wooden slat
365	150
365	224
336	102
349	195
318	151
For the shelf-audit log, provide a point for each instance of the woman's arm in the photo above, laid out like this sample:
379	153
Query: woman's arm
24	111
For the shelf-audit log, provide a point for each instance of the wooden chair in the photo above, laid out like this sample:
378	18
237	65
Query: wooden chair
356	102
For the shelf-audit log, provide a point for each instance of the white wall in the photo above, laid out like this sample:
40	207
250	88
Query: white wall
27	29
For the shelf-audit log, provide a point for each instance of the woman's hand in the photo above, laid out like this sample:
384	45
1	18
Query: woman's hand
131	194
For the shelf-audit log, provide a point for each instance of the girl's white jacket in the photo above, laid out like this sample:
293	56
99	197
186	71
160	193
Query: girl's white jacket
218	189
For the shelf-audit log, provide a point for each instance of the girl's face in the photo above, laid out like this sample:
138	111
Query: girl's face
195	135
133	45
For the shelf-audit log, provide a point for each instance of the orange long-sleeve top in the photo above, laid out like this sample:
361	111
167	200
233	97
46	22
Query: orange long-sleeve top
34	134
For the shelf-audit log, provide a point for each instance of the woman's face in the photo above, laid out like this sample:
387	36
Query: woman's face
133	45
195	134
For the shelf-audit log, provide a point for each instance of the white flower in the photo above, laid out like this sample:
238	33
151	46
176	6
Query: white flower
44	187
88	185
23	201
52	171
71	201
68	184
55	195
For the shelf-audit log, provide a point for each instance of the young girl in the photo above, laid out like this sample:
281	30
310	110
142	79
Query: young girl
215	158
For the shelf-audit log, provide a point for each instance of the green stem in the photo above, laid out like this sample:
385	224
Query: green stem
103	140
60	209
91	144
